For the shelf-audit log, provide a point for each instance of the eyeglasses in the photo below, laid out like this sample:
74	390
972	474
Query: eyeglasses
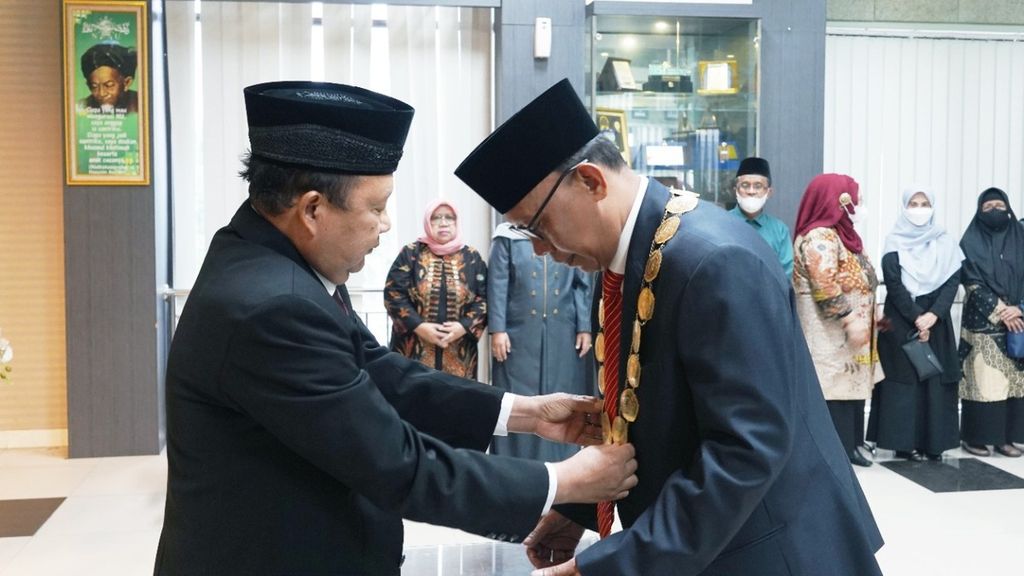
756	186
438	218
530	230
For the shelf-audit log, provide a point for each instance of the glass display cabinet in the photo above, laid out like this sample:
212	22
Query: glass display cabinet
678	95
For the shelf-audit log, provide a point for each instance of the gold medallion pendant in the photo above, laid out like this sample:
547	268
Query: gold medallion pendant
617	430
683	202
629	405
667	230
645	304
633	371
620	431
653	267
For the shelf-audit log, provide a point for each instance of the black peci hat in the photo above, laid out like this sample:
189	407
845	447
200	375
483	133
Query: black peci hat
527	147
327	126
115	56
754	165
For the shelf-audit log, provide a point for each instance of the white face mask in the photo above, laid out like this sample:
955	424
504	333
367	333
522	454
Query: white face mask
860	216
751	204
919	215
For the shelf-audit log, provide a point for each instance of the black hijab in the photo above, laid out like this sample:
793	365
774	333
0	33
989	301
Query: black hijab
994	255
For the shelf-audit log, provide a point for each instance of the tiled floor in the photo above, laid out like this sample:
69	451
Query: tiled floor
108	519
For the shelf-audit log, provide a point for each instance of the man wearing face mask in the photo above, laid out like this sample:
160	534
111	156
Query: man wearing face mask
753	187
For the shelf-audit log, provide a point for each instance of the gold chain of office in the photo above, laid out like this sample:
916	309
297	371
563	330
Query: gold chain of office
617	432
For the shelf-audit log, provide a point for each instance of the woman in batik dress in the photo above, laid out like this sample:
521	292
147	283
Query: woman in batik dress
835	286
436	295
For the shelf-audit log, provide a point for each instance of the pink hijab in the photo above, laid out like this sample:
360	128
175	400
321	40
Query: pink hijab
441	249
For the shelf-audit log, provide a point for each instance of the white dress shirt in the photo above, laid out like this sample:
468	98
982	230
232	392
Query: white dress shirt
501	427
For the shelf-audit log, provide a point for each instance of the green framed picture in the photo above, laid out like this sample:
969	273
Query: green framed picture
106	93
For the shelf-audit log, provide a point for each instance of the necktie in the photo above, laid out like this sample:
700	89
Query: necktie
611	293
341	301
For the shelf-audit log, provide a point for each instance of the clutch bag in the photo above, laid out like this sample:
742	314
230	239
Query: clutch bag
923	358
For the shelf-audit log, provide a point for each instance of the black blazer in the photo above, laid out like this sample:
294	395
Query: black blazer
740	468
901	310
296	444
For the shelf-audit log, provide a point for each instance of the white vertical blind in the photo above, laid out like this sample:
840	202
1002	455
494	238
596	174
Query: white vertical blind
438	59
946	112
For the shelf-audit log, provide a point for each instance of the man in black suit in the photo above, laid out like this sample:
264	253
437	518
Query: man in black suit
296	443
740	468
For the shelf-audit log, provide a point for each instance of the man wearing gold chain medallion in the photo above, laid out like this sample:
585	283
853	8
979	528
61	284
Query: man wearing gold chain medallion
703	364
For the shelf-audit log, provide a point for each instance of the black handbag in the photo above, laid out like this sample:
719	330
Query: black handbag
922	357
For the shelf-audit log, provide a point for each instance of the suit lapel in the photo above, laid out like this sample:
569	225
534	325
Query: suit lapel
359	343
647	222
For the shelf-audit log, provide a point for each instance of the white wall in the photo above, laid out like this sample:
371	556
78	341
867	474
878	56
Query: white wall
439	60
942	108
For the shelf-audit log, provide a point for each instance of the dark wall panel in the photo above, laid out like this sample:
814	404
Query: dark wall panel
111	321
114	314
519	76
792	98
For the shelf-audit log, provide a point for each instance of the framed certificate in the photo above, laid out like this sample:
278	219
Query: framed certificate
612	123
106	122
717	77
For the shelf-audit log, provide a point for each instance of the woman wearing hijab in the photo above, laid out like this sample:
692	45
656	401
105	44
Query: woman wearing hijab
835	285
538	313
992	388
916	418
436	295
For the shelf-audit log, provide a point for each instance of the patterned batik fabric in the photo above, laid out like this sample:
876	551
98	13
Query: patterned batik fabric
413	294
830	283
988	374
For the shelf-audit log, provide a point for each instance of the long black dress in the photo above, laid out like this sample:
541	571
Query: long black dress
906	413
992	390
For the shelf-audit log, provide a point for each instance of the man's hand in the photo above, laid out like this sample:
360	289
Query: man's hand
432	333
596	474
583	343
501	346
566	569
558	417
553	541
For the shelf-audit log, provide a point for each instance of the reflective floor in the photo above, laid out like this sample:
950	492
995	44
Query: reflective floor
102	516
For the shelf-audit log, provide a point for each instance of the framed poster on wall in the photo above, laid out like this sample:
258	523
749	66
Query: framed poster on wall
612	123
106	89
